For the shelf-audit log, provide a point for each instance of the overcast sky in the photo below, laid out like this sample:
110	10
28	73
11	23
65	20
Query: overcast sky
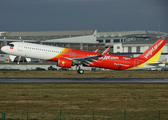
102	15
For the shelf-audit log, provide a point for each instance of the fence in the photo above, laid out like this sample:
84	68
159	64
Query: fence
85	114
3	116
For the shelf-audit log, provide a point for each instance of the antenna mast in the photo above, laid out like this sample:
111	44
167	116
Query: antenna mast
159	29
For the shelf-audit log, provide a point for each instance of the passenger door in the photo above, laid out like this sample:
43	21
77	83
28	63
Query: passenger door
20	46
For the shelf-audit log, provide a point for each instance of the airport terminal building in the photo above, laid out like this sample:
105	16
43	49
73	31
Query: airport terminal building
129	43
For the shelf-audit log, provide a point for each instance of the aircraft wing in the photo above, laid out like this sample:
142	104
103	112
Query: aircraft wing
86	60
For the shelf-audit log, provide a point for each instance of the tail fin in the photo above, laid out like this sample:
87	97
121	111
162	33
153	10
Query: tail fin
152	54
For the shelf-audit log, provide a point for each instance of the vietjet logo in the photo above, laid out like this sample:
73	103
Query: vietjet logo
11	47
153	49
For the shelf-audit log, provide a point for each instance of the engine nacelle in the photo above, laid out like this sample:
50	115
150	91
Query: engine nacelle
62	62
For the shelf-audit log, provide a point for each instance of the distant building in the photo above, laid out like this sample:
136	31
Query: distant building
130	41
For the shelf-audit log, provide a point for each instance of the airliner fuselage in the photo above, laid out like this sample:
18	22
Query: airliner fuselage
66	57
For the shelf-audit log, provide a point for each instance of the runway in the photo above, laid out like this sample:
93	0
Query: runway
82	81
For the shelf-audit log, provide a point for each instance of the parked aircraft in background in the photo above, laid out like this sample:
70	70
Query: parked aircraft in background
66	57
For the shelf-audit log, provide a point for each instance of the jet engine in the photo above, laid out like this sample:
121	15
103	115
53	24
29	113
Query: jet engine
62	62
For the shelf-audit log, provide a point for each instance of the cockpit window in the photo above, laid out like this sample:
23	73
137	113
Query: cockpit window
11	45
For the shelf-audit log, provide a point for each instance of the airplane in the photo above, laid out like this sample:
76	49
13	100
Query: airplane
65	57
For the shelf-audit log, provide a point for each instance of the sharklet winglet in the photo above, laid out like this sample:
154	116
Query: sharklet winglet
107	50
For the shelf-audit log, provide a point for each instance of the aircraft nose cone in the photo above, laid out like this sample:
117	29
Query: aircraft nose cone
3	49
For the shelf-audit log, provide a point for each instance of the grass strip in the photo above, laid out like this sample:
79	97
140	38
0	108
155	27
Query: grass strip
78	100
87	74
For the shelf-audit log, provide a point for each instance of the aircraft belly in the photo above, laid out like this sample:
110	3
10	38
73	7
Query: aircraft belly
16	52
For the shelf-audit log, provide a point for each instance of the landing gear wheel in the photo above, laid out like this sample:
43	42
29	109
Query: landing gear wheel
80	71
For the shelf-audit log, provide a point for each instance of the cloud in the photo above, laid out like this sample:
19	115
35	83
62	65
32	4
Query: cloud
103	15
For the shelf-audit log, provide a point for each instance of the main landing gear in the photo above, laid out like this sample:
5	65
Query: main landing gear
18	62
80	71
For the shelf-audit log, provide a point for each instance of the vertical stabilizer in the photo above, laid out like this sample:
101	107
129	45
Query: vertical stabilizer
152	54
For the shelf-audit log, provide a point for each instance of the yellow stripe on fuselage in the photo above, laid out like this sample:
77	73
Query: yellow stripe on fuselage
63	50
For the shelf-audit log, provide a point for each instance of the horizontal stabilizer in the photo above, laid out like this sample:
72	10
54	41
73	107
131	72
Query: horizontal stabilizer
158	64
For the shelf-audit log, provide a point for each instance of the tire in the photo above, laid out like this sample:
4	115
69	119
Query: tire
80	71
